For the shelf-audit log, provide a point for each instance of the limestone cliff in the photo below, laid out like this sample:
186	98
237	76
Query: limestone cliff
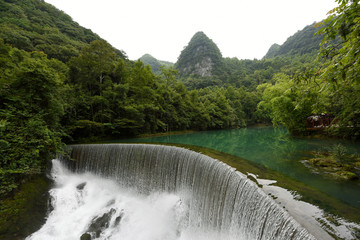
200	57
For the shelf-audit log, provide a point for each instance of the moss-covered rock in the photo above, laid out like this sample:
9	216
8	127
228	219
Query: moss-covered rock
357	164
326	164
344	168
85	236
24	212
345	175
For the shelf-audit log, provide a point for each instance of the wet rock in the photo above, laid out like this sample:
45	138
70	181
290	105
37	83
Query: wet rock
85	236
118	218
81	186
99	224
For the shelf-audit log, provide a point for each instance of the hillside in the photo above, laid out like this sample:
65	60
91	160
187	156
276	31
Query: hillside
200	57
155	64
273	51
33	25
302	42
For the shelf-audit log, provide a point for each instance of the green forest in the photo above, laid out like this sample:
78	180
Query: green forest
60	83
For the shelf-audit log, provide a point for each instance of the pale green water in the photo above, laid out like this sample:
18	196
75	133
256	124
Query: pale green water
274	149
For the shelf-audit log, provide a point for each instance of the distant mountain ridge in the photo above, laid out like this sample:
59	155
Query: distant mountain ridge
202	57
302	42
154	63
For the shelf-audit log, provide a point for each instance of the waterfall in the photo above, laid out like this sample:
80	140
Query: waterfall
207	197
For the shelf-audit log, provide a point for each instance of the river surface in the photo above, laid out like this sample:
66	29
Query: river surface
276	150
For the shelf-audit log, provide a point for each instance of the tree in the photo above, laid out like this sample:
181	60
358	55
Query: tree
344	57
341	70
31	106
95	63
285	103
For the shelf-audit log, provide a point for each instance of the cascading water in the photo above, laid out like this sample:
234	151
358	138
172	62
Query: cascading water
137	191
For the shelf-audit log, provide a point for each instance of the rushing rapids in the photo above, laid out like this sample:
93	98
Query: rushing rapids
138	191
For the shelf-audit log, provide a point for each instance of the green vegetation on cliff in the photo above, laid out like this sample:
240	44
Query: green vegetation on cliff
303	42
201	57
33	25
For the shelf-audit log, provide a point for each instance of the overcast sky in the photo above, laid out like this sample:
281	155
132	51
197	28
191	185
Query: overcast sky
241	28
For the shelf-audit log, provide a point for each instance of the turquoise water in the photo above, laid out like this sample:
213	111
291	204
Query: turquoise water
274	149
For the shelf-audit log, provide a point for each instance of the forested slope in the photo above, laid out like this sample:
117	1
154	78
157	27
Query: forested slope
33	25
302	42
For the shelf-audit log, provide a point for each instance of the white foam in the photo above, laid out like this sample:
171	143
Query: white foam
144	217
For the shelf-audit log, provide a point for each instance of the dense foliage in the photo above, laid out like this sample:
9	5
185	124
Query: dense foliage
32	25
61	83
340	76
31	105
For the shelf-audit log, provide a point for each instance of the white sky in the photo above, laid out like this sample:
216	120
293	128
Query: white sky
241	28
